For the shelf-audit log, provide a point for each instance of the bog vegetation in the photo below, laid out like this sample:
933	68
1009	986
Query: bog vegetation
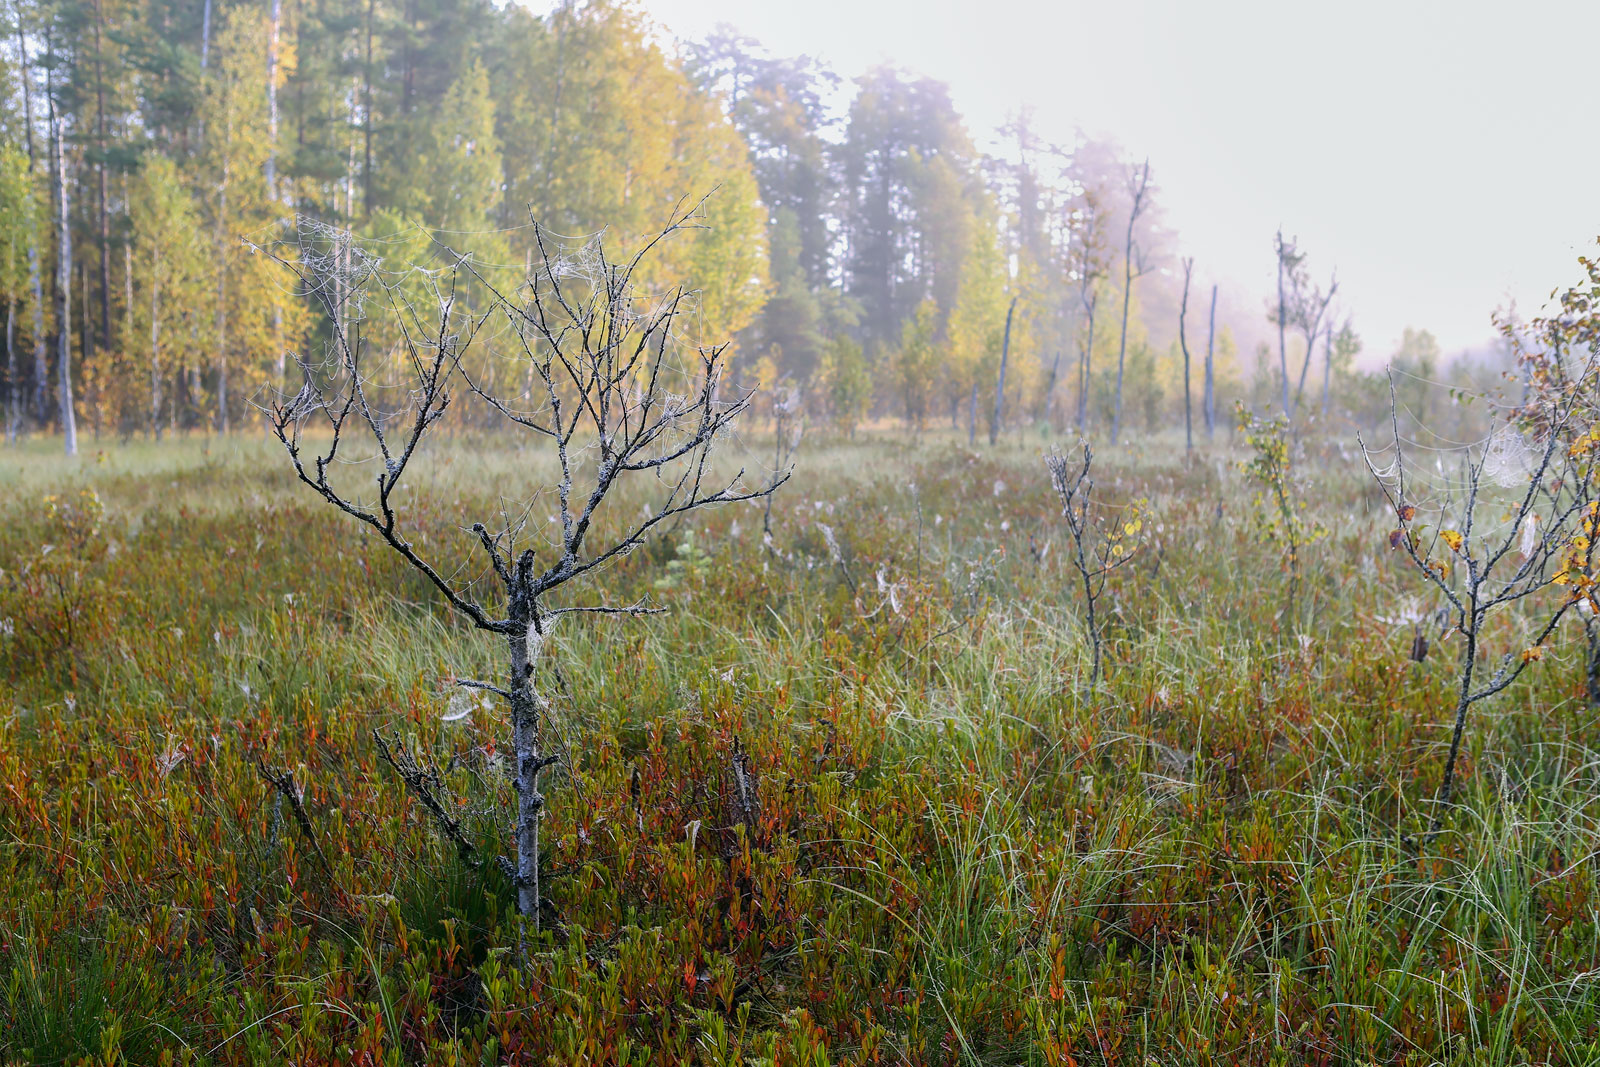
838	629
876	787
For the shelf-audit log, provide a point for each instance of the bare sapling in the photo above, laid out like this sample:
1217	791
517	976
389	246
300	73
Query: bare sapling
1510	550
1100	543
601	384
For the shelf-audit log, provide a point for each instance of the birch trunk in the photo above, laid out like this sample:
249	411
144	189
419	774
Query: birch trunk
1083	379
526	644
1283	346
1211	399
155	352
11	372
69	426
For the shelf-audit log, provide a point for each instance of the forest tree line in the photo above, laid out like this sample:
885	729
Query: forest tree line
865	257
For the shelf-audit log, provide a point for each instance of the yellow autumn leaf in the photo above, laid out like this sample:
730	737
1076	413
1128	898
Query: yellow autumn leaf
1451	538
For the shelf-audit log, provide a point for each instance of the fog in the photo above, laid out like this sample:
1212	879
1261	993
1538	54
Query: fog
1435	154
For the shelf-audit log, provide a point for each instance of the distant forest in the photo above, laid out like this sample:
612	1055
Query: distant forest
863	256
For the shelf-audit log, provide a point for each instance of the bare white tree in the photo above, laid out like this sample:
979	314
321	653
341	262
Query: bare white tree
1135	265
615	398
1303	304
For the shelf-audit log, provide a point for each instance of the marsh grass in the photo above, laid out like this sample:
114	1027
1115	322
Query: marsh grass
960	855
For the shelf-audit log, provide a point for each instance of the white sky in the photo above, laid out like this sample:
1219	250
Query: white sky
1442	156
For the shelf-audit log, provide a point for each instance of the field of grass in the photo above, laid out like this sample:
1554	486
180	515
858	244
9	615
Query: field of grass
960	855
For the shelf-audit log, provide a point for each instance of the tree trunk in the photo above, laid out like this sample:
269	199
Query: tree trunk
1183	342
1469	655
1327	368
86	350
41	367
12	385
205	35
1050	390
1211	398
155	351
104	214
366	120
69	426
1283	347
272	100
1122	343
1127	294
1000	382
972	416
222	350
1087	376
221	422
526	705
27	88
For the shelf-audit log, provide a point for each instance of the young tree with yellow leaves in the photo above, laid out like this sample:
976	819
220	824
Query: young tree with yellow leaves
1514	541
168	278
251	309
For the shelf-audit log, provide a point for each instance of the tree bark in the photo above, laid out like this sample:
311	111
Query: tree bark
222	308
1210	398
1127	293
1087	365
205	35
41	367
972	416
272	99
1050	389
69	426
1283	347
27	88
102	210
526	642
1327	367
366	120
12	385
1183	342
155	350
1000	382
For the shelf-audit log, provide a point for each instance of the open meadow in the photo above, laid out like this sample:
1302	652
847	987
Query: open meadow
850	800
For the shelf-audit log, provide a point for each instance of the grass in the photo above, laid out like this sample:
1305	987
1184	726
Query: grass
961	856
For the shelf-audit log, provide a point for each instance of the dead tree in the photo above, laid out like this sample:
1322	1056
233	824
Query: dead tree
616	399
1135	265
1288	257
69	423
1088	267
1183	341
1525	550
1302	303
1309	311
1097	548
1210	402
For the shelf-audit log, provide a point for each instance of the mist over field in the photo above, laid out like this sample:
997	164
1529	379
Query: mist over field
702	533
